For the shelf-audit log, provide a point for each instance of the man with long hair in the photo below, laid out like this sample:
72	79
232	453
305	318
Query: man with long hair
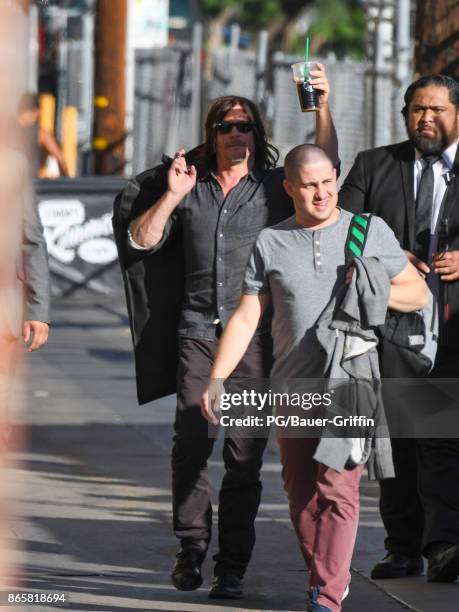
217	205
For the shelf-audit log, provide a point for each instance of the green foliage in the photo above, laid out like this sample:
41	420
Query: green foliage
251	14
213	8
342	25
256	14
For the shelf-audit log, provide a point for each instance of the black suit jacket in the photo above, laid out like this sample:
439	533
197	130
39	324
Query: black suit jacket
381	182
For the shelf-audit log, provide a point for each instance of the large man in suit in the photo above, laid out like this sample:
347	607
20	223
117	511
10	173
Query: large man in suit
414	187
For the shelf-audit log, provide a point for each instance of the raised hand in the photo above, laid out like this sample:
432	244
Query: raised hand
320	82
180	178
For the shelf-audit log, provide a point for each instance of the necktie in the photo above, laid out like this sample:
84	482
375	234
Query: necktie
424	203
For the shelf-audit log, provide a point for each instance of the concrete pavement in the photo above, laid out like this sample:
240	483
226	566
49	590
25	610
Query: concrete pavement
95	508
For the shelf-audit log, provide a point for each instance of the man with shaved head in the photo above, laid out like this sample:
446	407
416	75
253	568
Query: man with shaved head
303	155
299	265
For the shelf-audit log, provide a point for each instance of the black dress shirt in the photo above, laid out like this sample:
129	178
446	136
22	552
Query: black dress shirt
218	234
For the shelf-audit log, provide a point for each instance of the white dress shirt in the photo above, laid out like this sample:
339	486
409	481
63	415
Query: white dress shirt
441	170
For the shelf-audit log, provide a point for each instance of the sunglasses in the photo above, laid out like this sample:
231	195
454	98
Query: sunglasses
225	127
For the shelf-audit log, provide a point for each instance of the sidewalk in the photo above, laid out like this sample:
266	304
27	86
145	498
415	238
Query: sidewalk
95	507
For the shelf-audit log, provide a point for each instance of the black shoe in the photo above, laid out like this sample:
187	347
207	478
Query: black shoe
444	565
186	573
397	566
227	586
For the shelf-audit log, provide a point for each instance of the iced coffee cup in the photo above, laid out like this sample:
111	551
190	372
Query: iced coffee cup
307	95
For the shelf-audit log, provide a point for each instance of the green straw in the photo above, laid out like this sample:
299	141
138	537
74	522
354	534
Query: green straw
306	56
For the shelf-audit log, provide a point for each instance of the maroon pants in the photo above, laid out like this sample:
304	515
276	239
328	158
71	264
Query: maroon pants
324	508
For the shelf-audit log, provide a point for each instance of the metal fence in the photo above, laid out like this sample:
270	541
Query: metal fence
162	105
163	101
171	97
349	102
234	73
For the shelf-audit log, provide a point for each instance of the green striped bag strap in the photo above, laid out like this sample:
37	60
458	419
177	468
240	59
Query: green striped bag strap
357	236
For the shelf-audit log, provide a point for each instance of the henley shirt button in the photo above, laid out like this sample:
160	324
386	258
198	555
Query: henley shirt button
225	211
318	263
221	235
220	284
317	242
221	308
219	259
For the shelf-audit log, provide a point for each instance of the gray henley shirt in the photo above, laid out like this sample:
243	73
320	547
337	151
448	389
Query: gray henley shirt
302	269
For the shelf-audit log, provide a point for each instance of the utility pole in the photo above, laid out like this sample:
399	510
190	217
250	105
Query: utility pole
109	88
437	44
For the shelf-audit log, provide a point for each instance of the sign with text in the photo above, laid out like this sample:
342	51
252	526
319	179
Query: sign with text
77	224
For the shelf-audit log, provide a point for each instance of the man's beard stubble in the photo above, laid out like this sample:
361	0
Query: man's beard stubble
237	160
238	155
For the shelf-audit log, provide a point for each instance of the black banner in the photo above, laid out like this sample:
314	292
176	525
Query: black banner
77	223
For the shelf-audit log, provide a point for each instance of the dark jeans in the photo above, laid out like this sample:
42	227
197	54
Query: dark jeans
241	487
421	505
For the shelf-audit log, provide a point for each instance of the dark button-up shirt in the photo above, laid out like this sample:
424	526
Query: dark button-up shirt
218	235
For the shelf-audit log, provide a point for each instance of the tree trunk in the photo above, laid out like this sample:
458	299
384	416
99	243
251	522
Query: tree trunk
110	98
437	37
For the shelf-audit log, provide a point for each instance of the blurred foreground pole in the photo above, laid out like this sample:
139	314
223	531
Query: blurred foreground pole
437	43
14	189
110	99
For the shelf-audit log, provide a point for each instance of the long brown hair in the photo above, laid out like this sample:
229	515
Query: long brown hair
266	155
